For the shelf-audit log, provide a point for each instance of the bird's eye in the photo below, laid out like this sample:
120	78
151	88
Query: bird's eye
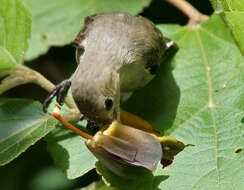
79	52
108	104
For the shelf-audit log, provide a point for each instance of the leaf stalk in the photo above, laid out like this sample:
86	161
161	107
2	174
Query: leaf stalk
23	75
195	17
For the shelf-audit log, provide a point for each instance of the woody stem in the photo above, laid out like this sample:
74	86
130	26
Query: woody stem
195	17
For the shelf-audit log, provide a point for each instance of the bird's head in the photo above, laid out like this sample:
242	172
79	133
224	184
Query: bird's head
96	90
102	108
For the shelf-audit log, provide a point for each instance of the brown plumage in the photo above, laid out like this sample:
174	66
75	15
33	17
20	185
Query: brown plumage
117	53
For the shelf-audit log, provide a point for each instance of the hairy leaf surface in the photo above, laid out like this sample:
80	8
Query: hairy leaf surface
199	99
234	13
15	29
22	123
57	22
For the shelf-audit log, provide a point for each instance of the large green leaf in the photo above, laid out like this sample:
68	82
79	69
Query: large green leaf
134	178
68	149
234	13
22	123
216	4
15	27
70	152
98	185
200	101
50	178
57	22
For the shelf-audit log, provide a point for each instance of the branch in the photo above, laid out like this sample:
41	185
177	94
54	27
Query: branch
22	75
195	17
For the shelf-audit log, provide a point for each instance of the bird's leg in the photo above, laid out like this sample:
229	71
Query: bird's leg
134	121
60	91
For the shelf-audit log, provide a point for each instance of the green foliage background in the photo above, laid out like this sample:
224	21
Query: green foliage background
197	97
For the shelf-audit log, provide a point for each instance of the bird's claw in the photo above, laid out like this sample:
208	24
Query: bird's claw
60	91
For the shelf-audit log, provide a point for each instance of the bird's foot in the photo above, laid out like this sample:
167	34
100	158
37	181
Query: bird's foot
60	91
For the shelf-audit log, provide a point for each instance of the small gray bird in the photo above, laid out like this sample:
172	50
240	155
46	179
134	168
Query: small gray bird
116	53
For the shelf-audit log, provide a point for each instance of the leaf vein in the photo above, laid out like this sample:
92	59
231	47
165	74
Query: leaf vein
216	37
216	144
189	119
43	120
21	118
209	81
17	142
9	54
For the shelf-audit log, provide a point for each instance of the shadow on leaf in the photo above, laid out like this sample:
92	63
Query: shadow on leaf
157	180
58	152
135	178
158	101
242	120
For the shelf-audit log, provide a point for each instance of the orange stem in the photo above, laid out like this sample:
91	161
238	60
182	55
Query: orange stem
57	115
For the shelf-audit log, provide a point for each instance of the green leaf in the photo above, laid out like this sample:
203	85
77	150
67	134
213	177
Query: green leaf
216	4
234	14
22	123
199	99
98	185
15	29
57	22
70	152
50	178
130	180
68	149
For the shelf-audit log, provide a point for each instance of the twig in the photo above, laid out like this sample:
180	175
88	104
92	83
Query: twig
10	82
195	17
22	75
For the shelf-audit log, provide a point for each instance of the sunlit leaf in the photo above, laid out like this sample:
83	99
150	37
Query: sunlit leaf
15	27
22	123
234	13
199	99
57	22
70	152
